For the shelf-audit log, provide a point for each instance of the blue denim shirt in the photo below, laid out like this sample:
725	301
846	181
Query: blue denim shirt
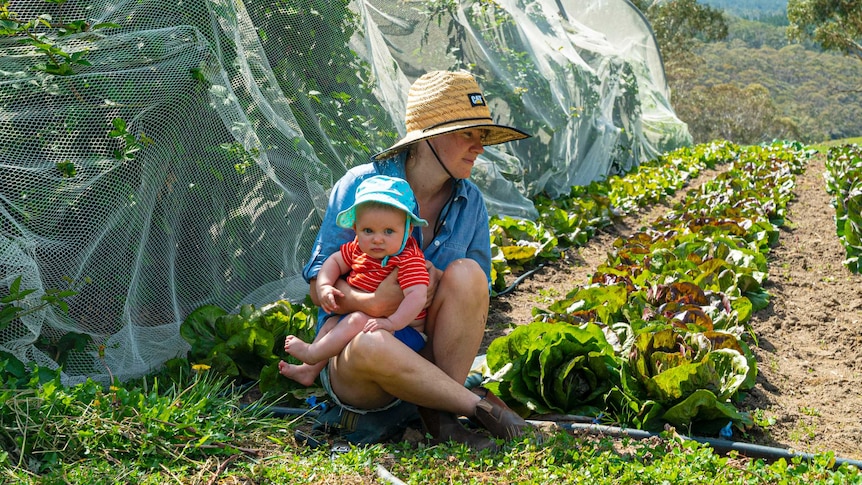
464	232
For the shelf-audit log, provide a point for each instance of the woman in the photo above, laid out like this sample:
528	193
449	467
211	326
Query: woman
448	124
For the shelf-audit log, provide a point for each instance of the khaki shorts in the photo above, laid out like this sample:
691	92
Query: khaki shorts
327	385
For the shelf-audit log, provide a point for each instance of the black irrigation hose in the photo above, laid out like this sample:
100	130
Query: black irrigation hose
279	411
520	280
718	445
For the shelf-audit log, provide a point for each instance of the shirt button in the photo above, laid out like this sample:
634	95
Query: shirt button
437	243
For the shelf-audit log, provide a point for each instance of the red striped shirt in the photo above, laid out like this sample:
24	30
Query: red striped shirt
366	272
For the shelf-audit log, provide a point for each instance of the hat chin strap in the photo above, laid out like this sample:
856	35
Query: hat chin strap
385	260
438	159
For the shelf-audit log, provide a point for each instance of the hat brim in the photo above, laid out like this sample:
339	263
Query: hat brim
496	134
347	218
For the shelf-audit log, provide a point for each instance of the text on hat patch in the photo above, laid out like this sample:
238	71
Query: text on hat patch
476	99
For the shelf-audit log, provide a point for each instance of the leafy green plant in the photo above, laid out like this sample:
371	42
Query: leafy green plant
248	345
9	304
555	368
16	305
844	182
687	379
42	34
673	301
131	142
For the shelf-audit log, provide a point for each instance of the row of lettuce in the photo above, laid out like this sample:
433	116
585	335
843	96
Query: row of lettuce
659	334
571	221
844	183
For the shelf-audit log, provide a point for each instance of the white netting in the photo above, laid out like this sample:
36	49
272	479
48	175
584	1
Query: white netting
242	116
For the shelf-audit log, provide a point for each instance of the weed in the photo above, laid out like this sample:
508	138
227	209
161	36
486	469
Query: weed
809	411
761	419
803	431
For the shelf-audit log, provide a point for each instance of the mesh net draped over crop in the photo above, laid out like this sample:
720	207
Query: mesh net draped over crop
237	119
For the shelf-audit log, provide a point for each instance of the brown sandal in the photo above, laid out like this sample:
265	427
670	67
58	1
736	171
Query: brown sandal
495	416
443	427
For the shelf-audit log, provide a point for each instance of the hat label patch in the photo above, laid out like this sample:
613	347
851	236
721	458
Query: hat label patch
476	99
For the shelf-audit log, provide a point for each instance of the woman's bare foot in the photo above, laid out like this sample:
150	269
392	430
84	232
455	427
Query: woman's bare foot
301	350
304	374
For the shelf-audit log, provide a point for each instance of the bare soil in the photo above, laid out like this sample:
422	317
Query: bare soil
808	341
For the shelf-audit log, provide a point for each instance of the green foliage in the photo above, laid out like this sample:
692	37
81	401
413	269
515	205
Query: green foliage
516	243
678	25
42	33
844	182
812	93
837	26
15	305
572	220
321	93
728	111
248	345
243	448
45	424
131	143
718	86
555	368
688	377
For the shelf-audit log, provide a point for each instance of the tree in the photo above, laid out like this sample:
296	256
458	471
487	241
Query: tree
834	24
679	25
728	112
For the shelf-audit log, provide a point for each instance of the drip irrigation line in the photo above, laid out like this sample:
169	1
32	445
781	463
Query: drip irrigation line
282	412
520	280
718	445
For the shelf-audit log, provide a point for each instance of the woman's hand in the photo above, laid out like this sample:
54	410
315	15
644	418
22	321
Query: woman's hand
387	298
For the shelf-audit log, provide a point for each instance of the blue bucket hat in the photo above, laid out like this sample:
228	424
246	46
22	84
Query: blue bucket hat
392	191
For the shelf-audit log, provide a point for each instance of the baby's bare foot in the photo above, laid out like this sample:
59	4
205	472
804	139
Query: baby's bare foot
299	349
304	374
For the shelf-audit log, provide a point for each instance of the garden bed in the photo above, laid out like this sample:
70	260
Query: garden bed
809	339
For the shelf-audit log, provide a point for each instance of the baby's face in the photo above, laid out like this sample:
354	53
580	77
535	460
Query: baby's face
380	230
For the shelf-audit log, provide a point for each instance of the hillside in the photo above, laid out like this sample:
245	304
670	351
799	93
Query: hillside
810	95
817	90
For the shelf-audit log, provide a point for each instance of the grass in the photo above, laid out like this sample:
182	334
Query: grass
823	147
194	430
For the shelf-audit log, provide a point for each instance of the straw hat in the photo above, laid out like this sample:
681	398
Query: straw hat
441	102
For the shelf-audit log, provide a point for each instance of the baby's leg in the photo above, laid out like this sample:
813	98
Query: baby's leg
328	325
328	344
419	325
305	374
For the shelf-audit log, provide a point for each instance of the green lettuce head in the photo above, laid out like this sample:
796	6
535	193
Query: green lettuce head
555	368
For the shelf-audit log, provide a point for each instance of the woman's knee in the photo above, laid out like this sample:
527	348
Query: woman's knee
366	348
464	277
